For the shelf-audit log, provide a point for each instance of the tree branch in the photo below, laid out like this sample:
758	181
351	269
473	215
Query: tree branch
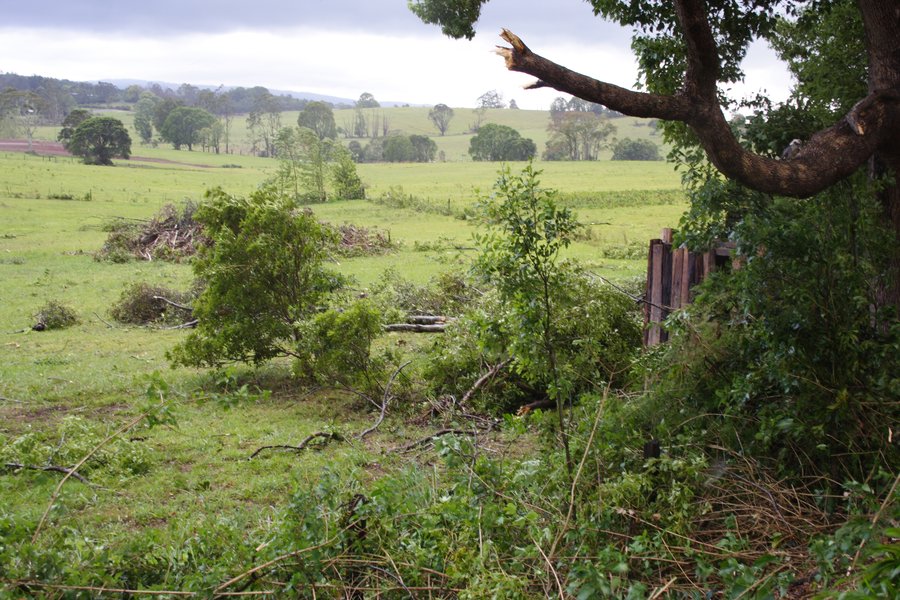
830	156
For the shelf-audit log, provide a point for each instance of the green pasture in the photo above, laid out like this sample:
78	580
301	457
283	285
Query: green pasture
52	217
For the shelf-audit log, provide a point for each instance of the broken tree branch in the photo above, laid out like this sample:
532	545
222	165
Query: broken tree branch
430	439
326	435
490	374
384	400
828	157
56	468
415	328
175	304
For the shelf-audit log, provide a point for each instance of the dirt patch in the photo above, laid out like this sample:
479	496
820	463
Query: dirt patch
42	147
47	148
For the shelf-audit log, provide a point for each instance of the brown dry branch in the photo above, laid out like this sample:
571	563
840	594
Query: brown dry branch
384	401
325	435
55	468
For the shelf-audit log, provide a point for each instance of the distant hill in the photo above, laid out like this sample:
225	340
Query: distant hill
334	100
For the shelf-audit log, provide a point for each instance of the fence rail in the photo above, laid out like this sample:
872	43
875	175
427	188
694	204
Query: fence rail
672	273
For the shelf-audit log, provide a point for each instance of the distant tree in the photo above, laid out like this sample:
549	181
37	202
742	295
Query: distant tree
495	142
344	177
513	105
398	148
491	99
356	150
184	126
374	151
630	149
367	100
143	116
319	117
480	114
132	93
441	115
162	109
72	120
577	135
188	94
21	112
99	139
424	146
264	122
360	124
211	137
315	156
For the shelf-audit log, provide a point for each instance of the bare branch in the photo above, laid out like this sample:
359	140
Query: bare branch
57	469
830	156
326	435
384	400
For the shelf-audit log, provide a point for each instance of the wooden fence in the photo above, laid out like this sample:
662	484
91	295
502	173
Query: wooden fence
672	274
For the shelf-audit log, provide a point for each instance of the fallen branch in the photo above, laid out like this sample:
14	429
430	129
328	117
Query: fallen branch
384	400
56	468
326	435
428	440
427	319
188	325
416	328
105	322
482	380
175	304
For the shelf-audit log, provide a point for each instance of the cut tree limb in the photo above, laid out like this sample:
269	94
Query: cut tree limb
55	468
828	157
327	436
415	328
490	374
384	400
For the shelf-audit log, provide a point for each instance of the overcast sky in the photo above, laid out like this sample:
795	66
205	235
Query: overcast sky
333	47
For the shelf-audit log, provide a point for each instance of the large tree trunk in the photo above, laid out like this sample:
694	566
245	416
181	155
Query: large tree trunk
881	20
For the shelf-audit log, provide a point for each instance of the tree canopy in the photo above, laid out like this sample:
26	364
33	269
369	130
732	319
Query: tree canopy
319	117
184	126
495	142
441	115
100	139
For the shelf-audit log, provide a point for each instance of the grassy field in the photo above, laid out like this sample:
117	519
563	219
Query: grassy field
62	388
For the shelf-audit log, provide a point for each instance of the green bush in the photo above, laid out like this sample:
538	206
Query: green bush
793	350
335	346
140	304
264	274
55	315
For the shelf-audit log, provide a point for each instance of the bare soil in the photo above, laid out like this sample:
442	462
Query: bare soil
47	148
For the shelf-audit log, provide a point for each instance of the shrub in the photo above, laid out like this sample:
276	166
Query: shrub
335	347
55	315
140	304
264	274
629	149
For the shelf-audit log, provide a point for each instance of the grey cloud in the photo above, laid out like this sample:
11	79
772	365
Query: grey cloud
545	19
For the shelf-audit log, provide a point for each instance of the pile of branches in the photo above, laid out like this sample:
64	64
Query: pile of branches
173	234
355	240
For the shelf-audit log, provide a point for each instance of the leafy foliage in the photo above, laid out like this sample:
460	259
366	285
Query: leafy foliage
794	345
264	275
630	149
140	304
55	315
495	142
99	139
